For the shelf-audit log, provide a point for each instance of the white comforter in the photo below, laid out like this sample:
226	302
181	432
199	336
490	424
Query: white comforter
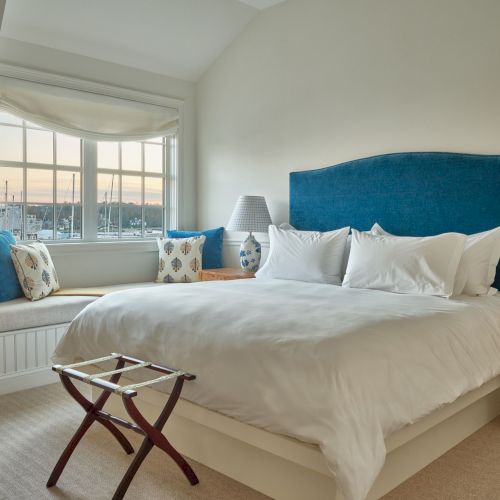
343	368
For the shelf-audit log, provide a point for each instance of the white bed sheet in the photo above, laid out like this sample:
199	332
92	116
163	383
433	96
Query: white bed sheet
343	368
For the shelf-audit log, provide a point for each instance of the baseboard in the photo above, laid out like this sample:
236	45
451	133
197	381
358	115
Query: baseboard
25	357
27	380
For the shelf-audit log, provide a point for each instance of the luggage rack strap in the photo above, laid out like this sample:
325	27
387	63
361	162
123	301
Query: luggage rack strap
60	368
132	387
120	370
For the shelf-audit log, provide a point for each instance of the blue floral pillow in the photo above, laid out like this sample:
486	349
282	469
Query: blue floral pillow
212	250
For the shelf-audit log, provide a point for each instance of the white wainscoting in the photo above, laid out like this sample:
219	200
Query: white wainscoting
25	357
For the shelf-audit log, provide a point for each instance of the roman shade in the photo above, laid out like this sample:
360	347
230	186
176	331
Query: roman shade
85	114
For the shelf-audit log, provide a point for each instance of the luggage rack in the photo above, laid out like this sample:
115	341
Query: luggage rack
151	432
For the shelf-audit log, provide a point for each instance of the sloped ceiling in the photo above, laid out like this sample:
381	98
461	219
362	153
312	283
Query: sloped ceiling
261	4
178	38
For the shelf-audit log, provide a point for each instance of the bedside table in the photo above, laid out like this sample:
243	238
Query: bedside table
225	273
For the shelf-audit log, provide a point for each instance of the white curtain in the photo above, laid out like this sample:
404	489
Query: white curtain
85	114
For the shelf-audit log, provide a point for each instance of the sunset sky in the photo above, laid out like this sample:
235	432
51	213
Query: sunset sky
40	150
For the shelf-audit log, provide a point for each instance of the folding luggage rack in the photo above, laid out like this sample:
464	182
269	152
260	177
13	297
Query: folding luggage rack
152	433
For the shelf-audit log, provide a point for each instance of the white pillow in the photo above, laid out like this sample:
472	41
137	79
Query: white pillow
286	226
424	266
35	270
180	259
345	259
347	252
305	255
477	269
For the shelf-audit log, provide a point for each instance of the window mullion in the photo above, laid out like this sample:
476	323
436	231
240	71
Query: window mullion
89	188
143	182
24	209
54	187
167	142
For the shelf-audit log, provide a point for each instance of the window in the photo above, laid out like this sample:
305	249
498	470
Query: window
131	182
42	175
40	181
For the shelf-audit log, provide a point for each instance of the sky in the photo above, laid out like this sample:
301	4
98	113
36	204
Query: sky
40	150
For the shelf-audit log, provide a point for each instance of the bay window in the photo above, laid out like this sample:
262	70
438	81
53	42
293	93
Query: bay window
49	181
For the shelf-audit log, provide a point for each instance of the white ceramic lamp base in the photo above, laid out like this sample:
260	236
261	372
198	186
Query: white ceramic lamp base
250	252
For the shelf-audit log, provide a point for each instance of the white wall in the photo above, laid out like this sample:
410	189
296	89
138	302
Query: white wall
312	83
103	263
113	263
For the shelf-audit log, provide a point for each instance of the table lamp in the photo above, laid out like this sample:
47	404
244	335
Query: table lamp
250	214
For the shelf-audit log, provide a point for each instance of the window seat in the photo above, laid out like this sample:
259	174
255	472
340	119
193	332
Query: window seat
20	314
30	331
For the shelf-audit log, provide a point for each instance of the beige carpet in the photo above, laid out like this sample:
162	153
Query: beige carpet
470	471
35	426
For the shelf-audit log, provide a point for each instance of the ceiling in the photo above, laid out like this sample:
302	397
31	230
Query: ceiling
178	38
261	4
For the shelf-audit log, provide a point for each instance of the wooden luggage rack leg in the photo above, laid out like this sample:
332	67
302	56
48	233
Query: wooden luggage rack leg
152	433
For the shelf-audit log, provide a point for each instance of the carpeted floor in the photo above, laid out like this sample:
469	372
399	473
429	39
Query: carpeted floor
35	426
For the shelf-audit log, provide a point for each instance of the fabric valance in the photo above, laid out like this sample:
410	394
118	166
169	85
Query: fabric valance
85	114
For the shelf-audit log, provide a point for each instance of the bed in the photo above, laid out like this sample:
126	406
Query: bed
298	380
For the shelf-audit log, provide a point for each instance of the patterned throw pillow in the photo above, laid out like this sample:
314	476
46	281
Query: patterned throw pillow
180	259
35	270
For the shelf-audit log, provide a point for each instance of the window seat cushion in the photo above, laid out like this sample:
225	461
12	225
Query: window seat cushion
21	313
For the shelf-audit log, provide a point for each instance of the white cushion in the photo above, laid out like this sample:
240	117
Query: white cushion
425	266
305	255
35	270
477	269
286	226
20	314
180	259
345	259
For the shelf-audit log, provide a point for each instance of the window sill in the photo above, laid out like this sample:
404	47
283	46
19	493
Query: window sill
83	247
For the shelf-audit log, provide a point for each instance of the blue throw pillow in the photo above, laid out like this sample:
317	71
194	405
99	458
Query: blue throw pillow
212	250
9	284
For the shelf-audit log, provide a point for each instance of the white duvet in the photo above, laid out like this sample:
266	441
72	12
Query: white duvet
340	367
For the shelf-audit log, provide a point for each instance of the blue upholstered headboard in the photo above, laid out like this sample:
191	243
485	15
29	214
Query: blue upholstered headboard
414	194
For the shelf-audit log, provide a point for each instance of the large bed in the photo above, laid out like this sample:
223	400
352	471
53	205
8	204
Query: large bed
304	389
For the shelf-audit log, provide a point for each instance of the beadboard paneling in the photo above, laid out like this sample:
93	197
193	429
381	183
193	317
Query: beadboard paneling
25	352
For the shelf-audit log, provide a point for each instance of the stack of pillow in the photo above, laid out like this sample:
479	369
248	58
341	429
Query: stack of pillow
25	269
182	254
28	269
445	265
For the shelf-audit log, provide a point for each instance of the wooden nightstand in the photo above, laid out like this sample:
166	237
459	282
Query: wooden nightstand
225	273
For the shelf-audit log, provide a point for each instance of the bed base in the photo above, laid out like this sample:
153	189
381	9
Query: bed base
286	468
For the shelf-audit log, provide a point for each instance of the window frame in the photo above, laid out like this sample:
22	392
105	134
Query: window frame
88	188
53	167
88	171
169	176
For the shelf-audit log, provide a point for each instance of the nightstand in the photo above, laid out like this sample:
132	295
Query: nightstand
225	273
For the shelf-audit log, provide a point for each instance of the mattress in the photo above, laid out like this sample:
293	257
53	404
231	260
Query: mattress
342	368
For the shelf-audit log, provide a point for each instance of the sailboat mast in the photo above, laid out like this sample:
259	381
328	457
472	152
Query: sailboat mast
110	200
72	208
105	212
